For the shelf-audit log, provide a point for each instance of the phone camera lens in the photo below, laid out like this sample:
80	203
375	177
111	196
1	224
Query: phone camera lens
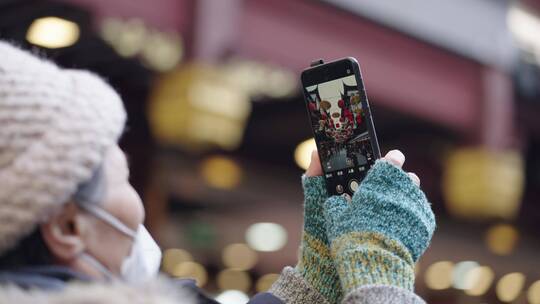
348	71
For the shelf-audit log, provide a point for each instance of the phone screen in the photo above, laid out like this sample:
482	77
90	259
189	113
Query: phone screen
340	124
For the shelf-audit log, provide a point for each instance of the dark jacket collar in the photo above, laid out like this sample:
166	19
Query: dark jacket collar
51	277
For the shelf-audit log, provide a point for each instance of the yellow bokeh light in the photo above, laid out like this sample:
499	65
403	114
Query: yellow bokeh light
439	275
481	184
53	32
501	239
162	51
196	108
239	257
230	279
265	282
260	79
173	257
478	280
131	39
509	286
302	153
221	172
191	270
533	295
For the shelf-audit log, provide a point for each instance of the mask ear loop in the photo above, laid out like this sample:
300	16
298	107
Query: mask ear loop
109	219
88	196
97	265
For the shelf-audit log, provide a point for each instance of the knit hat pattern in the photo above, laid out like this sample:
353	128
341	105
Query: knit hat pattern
55	127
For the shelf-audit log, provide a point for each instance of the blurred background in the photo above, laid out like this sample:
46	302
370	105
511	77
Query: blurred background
218	135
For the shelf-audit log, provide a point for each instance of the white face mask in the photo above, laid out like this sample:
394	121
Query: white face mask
142	264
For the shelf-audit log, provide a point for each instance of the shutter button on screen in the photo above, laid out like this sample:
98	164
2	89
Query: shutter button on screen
353	185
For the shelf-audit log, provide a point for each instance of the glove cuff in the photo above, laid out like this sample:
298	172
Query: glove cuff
291	287
367	258
317	268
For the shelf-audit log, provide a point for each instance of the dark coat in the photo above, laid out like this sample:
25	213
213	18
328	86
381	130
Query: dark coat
56	284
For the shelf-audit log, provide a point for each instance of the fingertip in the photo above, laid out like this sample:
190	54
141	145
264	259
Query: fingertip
414	178
395	157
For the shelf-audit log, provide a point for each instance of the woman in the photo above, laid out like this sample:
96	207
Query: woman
71	224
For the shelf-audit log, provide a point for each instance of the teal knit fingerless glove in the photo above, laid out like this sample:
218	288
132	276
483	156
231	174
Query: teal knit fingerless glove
315	262
378	237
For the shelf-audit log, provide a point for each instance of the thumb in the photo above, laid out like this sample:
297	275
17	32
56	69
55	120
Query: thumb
314	168
335	208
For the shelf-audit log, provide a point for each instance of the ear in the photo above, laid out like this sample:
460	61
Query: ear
62	233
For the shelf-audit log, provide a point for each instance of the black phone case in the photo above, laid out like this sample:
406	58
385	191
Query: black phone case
365	104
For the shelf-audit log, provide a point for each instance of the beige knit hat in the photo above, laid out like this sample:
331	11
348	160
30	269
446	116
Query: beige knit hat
55	126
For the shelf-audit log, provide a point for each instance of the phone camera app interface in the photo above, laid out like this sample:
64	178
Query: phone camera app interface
340	129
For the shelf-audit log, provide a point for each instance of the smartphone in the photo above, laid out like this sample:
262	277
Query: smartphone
341	121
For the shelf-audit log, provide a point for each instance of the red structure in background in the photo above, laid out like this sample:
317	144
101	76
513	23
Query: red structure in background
401	72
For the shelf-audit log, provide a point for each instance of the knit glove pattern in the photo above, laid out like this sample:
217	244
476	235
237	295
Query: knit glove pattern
315	262
377	238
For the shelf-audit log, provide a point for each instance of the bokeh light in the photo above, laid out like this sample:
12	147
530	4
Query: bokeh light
302	153
196	108
231	279
439	275
191	270
131	39
533	294
173	257
510	286
53	32
261	79
221	172
265	282
162	51
266	236
232	297
525	27
501	239
479	183
460	272
239	256
478	280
